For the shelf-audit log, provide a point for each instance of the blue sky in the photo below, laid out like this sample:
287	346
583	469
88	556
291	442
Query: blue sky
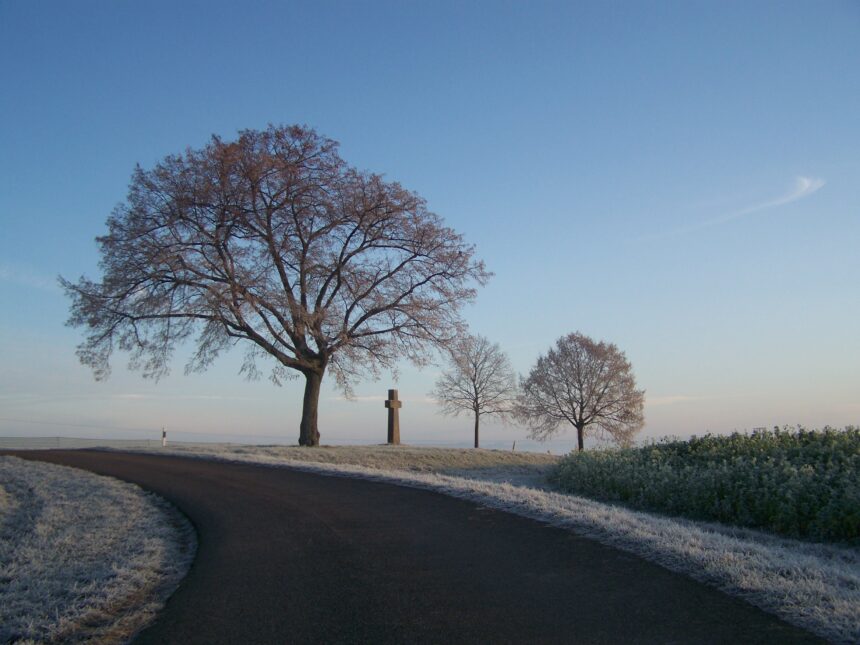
680	179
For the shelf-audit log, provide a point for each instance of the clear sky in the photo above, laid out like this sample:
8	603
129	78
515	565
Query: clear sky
679	178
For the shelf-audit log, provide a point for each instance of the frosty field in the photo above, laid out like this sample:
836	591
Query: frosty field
812	585
83	557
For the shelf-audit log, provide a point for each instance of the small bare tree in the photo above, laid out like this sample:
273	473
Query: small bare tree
587	384
273	241
479	379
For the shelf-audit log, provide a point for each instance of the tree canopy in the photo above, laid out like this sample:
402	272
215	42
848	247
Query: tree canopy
587	384
274	240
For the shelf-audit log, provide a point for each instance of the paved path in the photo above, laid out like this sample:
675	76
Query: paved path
292	557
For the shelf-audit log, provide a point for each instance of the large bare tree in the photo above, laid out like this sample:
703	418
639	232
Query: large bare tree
479	379
274	240
585	383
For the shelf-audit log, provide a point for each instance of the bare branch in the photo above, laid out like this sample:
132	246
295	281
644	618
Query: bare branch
479	380
275	240
587	384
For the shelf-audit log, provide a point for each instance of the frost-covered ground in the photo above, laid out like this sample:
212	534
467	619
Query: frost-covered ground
384	457
83	558
814	586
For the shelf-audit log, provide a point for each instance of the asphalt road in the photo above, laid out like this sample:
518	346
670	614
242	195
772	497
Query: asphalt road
292	557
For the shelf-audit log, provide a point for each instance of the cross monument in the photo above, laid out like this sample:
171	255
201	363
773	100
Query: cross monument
393	406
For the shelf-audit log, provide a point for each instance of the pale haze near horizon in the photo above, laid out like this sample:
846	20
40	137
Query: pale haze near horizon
679	179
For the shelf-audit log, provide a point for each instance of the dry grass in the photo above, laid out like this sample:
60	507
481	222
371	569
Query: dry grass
83	558
385	457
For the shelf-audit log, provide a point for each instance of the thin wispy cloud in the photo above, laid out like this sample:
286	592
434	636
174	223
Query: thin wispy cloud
802	187
27	278
378	398
671	399
359	399
132	396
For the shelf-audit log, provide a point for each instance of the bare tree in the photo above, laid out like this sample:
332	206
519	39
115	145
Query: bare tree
273	239
587	384
479	379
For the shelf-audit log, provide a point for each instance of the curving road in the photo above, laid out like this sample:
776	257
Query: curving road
291	557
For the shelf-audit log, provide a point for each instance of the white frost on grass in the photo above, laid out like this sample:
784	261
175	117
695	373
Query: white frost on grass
410	458
83	558
814	586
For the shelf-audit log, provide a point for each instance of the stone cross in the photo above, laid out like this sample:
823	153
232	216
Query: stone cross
393	406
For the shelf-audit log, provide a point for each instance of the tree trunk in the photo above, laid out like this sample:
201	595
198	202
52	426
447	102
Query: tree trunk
309	434
579	437
477	418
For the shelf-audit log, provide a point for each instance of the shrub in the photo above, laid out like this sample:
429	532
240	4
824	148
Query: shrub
797	482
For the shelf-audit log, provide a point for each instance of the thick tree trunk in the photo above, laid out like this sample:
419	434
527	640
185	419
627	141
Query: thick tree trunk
477	419
579	436
309	434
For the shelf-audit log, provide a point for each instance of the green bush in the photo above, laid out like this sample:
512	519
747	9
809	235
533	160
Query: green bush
797	482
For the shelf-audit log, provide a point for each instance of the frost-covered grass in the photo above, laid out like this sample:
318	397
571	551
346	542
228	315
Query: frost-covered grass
797	483
815	586
401	457
83	558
